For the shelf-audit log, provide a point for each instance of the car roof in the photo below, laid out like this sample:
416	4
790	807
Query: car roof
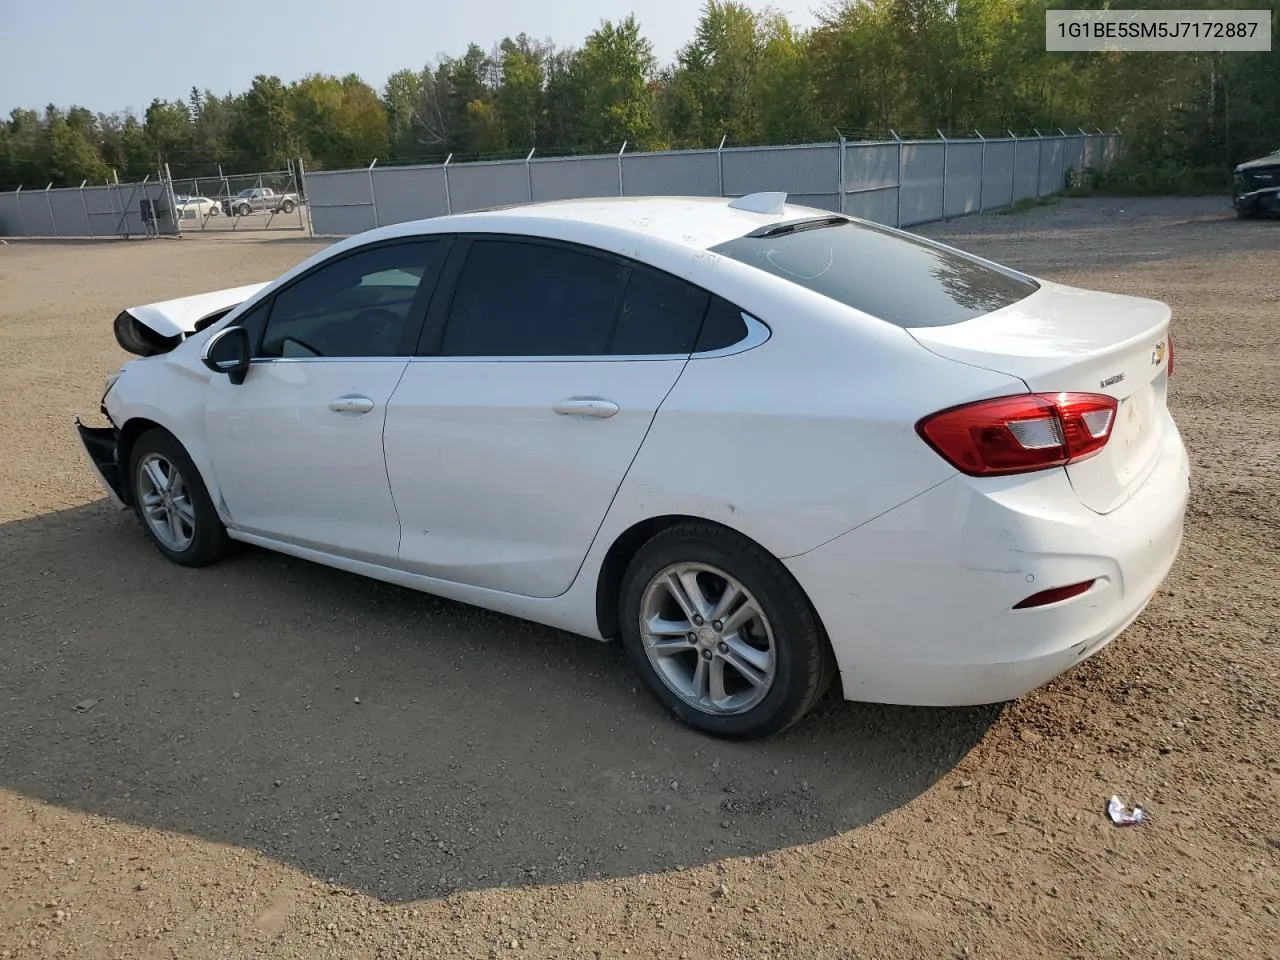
693	222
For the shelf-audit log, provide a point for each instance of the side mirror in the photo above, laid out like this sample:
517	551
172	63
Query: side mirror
228	352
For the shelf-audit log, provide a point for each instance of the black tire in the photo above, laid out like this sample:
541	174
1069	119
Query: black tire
1247	211
804	663
244	210
286	207
209	541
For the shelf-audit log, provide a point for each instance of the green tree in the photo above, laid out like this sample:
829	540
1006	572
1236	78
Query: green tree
519	94
613	72
260	130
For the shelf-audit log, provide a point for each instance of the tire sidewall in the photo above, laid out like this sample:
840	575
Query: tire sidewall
783	604
210	536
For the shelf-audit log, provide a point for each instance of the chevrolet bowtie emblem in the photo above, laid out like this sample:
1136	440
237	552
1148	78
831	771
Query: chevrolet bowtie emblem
1158	353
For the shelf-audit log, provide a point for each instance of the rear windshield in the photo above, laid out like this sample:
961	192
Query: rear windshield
898	279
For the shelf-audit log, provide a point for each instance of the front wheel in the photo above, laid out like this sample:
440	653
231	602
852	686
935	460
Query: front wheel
721	632
244	210
170	498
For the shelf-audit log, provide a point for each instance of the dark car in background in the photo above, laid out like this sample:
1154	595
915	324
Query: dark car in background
1256	187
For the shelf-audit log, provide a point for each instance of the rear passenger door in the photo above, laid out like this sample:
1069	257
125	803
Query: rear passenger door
536	382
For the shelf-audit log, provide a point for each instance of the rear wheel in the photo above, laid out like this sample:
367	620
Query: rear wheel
172	502
721	632
286	207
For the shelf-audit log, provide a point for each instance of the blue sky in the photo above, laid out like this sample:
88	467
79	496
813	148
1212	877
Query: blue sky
110	56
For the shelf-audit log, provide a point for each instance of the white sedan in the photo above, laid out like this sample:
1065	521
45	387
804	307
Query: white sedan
196	208
764	445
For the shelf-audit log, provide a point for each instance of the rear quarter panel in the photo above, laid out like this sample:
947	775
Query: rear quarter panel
804	437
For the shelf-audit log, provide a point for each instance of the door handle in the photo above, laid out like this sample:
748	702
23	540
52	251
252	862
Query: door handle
586	407
351	405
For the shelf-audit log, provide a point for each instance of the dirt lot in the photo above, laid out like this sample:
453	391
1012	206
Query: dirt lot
268	758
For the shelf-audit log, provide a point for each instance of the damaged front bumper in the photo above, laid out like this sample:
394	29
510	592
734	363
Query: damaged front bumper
99	445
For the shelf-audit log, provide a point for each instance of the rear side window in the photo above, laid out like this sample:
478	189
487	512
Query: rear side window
528	300
722	328
897	279
660	314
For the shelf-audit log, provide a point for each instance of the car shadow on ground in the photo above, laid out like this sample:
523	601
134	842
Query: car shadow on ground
395	743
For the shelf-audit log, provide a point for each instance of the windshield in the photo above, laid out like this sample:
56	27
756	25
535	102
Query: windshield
899	279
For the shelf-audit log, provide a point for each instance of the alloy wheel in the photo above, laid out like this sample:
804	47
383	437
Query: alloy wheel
166	502
708	638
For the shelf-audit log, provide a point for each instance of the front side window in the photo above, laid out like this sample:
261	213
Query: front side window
357	306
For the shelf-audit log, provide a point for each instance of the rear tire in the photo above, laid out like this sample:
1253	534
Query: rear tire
286	207
739	668
173	503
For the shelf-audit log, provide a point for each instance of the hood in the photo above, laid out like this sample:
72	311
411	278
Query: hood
154	328
1268	161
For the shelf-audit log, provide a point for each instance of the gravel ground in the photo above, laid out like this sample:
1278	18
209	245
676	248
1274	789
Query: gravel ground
269	758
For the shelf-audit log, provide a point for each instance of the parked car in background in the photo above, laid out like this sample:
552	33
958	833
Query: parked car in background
1257	187
763	444
258	199
196	208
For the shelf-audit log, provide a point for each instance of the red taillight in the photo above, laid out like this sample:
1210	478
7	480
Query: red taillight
1056	595
1170	349
1031	431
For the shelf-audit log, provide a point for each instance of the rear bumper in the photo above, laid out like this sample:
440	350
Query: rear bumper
918	603
99	445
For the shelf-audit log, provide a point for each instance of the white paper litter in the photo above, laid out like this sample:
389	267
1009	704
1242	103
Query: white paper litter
1123	816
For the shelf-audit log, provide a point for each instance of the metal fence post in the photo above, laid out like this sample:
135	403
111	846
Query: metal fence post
898	216
1013	171
173	200
53	222
982	168
373	195
944	173
621	151
528	171
17	198
1039	158
448	196
85	205
304	197
720	164
840	184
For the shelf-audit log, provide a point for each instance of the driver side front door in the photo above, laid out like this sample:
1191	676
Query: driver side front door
297	447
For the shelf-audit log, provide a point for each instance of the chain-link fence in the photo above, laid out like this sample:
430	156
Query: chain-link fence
898	182
158	206
113	209
247	201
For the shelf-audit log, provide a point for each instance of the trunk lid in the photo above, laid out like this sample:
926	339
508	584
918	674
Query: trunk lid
1065	339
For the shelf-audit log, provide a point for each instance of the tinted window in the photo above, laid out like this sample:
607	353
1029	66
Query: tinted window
530	300
660	314
357	306
898	279
722	328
